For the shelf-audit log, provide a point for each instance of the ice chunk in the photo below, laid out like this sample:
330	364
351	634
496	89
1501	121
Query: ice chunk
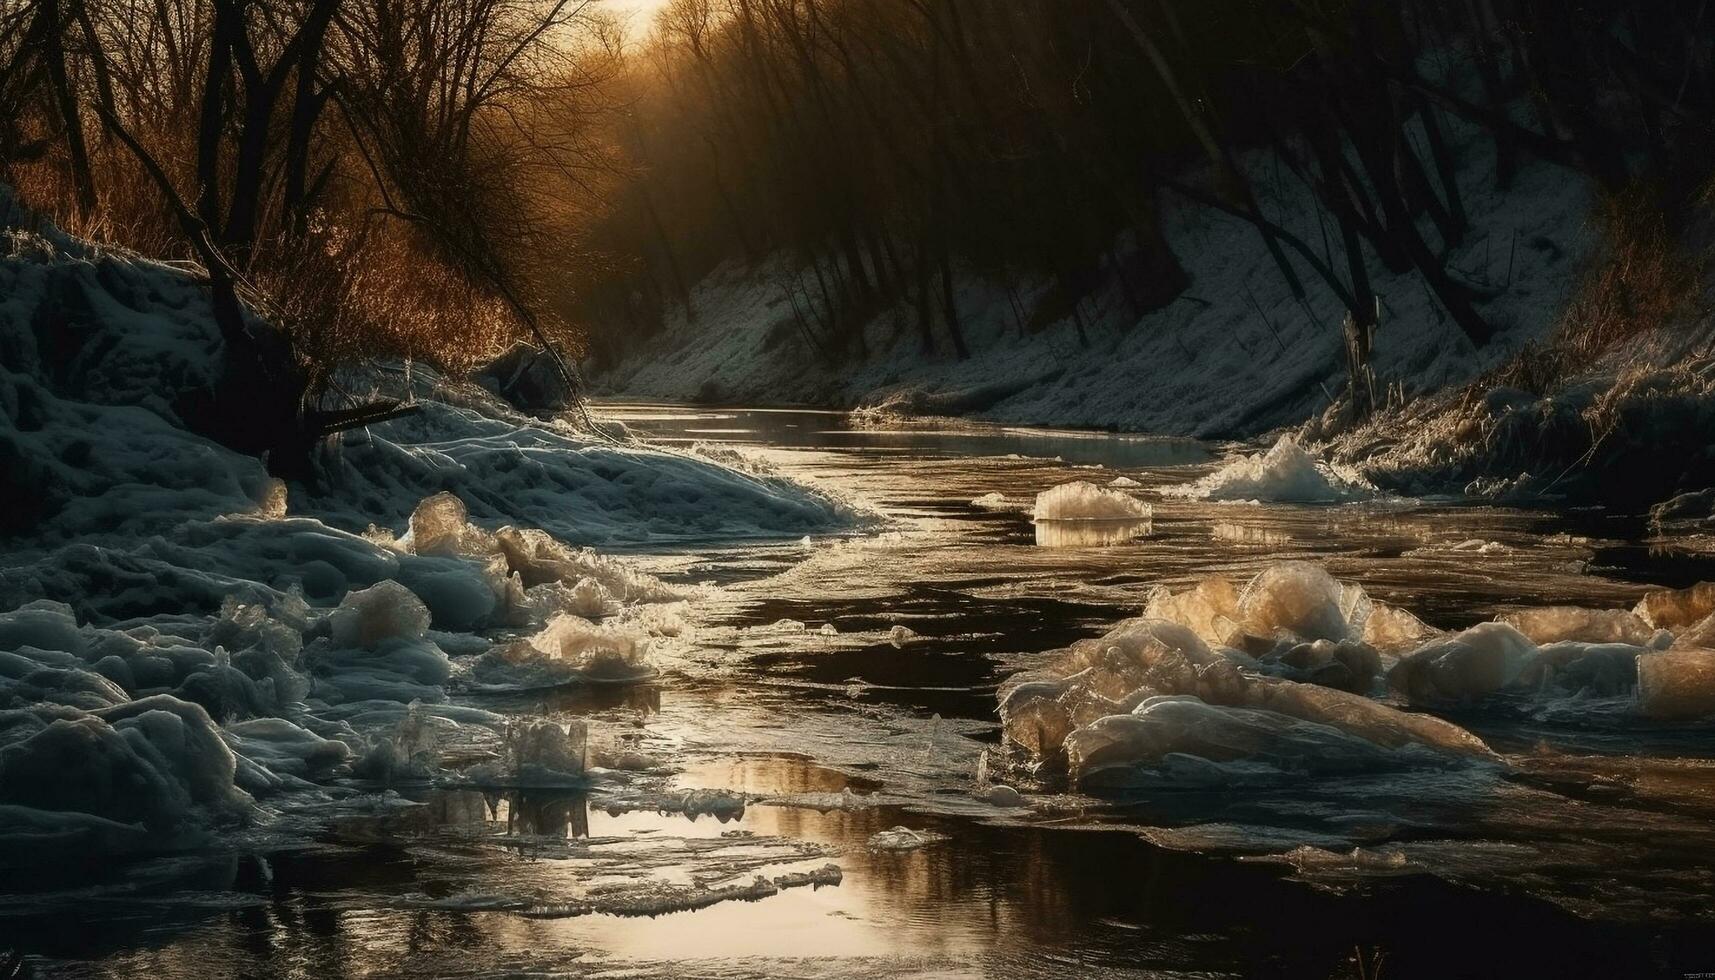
1123	481
1286	474
903	839
1574	667
719	804
901	635
377	649
1677	684
1304	602
1393	630
1552	624
385	611
536	557
1181	740
1001	795
460	594
273	504
991	501
591	599
1462	667
1210	609
1677	608
1044	711
569	650
43	624
1084	501
1349	665
440	525
540	753
36	676
409	753
1699	636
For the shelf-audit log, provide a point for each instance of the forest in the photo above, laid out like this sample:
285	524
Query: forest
587	170
881	143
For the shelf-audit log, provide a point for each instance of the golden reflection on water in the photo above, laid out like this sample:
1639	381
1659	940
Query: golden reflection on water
1249	535
933	904
1089	534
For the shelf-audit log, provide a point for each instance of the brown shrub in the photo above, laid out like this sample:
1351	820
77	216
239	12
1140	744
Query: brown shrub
1642	279
350	291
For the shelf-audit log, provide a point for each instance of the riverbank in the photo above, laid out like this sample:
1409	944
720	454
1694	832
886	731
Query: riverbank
1235	355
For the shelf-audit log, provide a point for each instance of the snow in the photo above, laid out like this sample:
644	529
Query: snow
1235	355
571	486
1286	473
1084	501
182	635
991	501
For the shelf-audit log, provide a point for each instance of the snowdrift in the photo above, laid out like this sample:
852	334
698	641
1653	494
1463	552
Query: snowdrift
182	635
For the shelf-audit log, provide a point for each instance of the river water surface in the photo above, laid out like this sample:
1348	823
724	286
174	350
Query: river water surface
1593	856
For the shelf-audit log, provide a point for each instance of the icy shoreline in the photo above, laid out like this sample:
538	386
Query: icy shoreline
187	645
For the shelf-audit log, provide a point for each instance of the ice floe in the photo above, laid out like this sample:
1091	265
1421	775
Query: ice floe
1084	501
1217	683
1286	473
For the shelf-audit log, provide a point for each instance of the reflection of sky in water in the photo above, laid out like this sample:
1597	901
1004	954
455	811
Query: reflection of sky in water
834	430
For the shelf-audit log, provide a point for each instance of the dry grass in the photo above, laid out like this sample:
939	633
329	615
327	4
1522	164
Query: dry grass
1644	279
351	291
129	211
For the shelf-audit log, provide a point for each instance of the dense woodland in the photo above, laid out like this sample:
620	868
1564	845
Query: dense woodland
437	178
884	142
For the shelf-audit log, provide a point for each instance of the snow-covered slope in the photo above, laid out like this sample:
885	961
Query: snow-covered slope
1235	354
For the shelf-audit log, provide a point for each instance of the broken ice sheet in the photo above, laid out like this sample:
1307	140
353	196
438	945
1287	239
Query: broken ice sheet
586	858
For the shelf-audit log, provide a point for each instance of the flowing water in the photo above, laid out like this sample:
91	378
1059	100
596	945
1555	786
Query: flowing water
846	686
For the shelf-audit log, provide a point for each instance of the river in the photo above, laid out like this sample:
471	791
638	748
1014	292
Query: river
1591	857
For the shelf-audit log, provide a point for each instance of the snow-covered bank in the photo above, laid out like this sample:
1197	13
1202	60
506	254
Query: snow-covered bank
1235	354
182	636
1630	432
